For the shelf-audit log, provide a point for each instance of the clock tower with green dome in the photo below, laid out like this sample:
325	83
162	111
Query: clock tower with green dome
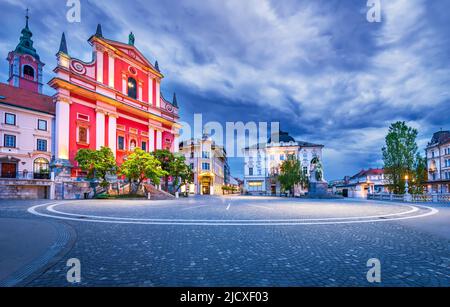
25	66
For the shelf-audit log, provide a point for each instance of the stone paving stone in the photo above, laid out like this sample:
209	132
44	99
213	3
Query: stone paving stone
198	255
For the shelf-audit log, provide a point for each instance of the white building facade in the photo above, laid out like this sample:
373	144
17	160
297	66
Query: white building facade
263	161
363	183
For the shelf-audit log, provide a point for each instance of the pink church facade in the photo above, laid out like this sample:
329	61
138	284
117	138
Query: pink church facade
113	101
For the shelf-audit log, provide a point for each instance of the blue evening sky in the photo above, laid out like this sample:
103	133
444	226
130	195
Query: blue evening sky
318	67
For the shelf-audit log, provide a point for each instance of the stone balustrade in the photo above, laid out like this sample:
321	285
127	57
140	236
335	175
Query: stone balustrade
416	198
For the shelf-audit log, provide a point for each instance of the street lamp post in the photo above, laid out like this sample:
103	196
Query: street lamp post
406	184
407	197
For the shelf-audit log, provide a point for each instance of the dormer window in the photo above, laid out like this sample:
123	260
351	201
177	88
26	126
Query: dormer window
28	71
132	88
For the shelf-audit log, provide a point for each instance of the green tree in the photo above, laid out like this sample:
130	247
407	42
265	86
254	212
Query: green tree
291	174
166	159
419	176
141	165
401	158
175	166
180	172
97	163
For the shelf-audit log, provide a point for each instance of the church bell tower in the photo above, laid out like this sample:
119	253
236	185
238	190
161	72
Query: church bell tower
25	66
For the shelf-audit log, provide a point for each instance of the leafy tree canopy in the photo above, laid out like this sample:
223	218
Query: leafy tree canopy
97	163
401	159
291	174
141	165
175	166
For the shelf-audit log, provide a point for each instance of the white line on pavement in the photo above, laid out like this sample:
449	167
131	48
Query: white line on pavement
324	221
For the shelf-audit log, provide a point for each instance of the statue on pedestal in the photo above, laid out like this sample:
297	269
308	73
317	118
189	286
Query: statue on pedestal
316	171
318	187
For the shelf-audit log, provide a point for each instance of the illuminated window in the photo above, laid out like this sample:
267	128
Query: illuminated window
40	165
255	186
132	91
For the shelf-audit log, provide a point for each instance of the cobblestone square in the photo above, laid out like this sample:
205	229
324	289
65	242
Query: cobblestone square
227	241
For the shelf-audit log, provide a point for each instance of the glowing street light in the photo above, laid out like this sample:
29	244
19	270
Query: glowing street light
406	185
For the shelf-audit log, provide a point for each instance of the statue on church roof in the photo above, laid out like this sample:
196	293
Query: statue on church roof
131	39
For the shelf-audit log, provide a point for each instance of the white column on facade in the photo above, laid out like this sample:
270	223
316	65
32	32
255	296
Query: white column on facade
100	129
151	139
112	131
124	85
111	70
158	94
176	143
62	128
158	139
99	66
150	90
140	91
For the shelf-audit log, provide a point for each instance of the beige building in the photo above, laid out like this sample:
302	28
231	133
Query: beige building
438	163
209	164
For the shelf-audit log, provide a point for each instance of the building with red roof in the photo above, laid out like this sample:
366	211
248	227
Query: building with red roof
26	125
362	183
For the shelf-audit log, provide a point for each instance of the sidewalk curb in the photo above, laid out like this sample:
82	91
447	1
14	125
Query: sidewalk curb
65	240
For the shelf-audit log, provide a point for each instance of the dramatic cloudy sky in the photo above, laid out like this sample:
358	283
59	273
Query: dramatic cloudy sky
318	67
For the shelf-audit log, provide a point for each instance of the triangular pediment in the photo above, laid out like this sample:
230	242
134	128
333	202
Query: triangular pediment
131	51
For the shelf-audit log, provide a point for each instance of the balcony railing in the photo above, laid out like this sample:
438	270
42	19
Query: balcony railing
24	175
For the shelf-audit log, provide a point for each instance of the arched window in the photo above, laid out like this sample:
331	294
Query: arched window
28	71
132	90
41	169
